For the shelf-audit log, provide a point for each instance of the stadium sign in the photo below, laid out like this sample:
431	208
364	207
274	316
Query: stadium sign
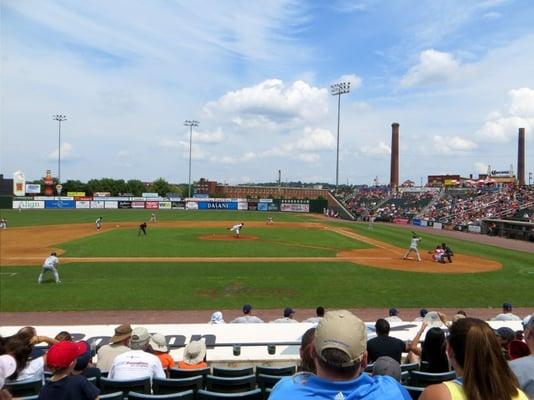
149	195
76	194
501	173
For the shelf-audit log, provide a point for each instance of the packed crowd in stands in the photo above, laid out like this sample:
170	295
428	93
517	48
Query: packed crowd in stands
456	207
464	358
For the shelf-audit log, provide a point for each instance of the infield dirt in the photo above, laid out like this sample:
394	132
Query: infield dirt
30	245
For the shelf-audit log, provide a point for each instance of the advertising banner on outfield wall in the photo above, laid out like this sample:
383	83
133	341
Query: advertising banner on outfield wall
150	195
97	204
101	194
416	221
191	205
437	225
217	205
60	204
290	207
83	204
76	194
165	205
28	204
178	205
401	221
263	206
473	228
152	204
111	204
125	204
138	204
242	206
33	188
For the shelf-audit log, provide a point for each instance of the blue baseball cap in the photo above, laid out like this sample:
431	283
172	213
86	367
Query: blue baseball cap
247	308
393	311
288	311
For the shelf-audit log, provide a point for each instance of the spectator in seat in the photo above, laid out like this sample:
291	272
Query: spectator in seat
385	345
118	344
8	366
19	349
64	336
138	362
217	318
319	314
306	359
194	356
247	317
432	352
481	370
387	366
83	364
159	347
523	367
61	359
340	359
393	315
506	314
505	336
289	313
34	368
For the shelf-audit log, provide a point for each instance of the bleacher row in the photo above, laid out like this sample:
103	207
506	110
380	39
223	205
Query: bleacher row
217	383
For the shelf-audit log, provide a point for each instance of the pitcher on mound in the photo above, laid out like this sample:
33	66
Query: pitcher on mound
236	229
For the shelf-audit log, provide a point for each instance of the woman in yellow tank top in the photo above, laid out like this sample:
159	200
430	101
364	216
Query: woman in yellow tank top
482	371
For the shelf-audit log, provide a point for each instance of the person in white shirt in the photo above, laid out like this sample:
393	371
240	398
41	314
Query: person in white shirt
137	363
247	317
393	315
506	314
98	223
288	317
237	229
319	312
413	247
50	265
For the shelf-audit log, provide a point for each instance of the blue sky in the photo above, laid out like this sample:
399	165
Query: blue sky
456	74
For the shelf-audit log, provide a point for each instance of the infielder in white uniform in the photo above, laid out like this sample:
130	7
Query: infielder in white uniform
413	247
236	229
49	265
98	223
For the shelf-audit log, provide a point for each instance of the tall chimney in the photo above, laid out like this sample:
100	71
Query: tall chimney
394	177
521	157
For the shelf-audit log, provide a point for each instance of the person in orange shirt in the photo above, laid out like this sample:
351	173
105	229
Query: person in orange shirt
158	343
194	356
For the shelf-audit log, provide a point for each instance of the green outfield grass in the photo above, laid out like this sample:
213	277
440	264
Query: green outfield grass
99	286
184	242
58	217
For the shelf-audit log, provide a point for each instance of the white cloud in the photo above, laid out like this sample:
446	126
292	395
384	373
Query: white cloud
354	80
67	153
273	100
316	139
378	150
501	127
433	67
452	144
481	167
216	136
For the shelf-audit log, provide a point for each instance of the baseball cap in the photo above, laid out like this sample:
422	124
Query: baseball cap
288	311
121	332
423	312
344	331
83	360
247	308
507	306
139	335
8	365
158	343
62	354
506	333
387	366
393	311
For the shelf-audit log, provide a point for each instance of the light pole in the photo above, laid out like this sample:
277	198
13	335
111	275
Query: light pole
337	89
59	118
190	124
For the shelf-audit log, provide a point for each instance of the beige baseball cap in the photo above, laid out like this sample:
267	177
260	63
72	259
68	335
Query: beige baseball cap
344	331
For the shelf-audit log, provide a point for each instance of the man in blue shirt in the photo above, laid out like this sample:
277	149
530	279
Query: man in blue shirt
340	355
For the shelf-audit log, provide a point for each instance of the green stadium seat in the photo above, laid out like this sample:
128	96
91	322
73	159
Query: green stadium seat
276	371
250	395
112	396
125	386
230	385
187	395
232	372
423	379
414	392
24	388
166	386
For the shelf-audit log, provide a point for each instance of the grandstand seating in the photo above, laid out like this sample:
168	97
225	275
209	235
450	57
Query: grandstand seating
414	392
24	388
255	394
133	385
230	385
276	371
423	379
178	373
232	372
187	395
166	386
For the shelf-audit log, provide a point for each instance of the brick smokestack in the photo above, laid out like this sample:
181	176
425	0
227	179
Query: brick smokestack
394	177
521	157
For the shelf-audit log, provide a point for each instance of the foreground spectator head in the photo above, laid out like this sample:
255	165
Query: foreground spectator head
139	339
63	336
505	336
8	366
340	345
387	366
217	318
382	327
63	355
306	358
17	347
122	334
84	359
159	343
433	351
476	356
194	352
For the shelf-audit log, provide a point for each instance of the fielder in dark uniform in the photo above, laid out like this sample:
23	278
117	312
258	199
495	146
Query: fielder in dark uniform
142	229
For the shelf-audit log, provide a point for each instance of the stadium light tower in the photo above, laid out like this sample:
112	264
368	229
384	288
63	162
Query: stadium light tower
337	89
59	118
190	124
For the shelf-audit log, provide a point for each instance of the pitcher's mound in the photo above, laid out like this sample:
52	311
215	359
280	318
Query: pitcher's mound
227	237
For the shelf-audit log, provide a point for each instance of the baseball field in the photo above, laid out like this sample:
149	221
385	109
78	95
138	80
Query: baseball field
190	261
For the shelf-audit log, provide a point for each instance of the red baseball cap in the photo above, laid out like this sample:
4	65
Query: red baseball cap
62	354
